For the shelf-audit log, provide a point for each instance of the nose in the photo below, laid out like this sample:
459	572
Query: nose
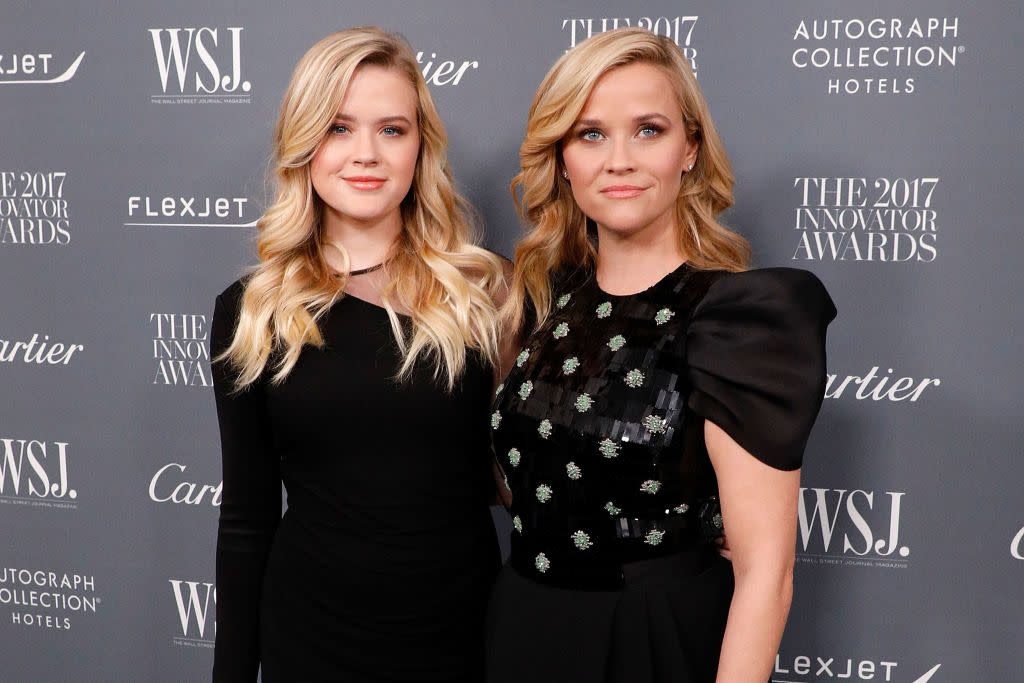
366	152
620	156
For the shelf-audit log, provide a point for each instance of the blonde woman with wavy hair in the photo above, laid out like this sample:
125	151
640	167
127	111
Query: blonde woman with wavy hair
355	364
663	393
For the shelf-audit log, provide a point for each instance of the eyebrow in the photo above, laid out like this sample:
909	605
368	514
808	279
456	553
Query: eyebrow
398	118
636	119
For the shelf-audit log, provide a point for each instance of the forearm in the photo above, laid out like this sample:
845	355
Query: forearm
757	617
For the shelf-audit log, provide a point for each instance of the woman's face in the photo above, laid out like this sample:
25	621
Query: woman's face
626	154
364	167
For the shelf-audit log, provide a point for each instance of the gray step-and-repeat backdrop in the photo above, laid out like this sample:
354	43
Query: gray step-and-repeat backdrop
877	144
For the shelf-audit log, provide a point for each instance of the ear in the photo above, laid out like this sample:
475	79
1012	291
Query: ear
690	154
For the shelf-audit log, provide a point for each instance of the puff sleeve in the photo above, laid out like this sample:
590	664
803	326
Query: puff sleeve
756	356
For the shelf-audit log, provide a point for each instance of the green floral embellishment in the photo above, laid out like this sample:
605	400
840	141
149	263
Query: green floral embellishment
611	509
513	456
655	424
584	403
581	539
517	524
542	563
495	419
650	486
663	316
654	537
507	487
543	493
608	448
573	471
604	310
634	378
544	429
521	358
561	330
681	509
717	521
563	300
616	342
570	365
525	389
497	392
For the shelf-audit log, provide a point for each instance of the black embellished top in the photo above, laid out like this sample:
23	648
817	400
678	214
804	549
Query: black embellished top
599	425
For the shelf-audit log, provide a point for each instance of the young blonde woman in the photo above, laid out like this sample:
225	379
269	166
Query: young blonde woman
663	391
354	364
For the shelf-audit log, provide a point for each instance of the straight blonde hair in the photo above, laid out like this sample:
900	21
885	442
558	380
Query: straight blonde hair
436	273
559	236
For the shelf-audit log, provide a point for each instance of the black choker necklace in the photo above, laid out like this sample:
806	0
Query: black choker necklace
364	271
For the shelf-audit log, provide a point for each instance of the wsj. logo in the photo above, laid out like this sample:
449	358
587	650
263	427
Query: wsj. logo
34	68
1017	545
179	348
35	473
206	64
183	492
867	523
197	606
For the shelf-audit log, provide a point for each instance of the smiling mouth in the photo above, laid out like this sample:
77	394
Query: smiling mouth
365	182
622	191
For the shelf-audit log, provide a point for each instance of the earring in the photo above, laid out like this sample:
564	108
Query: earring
689	168
565	174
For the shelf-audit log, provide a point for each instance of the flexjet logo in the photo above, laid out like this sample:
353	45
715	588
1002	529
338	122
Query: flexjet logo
1017	545
200	66
844	527
807	669
35	473
197	606
36	68
177	211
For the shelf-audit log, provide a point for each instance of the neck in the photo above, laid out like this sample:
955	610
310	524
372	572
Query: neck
367	242
632	262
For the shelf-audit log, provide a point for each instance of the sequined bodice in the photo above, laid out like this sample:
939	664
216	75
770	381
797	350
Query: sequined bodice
605	462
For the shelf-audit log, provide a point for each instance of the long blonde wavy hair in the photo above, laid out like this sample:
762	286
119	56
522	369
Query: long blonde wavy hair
436	273
559	236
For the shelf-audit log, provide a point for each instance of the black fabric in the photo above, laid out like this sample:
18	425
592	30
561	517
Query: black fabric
381	566
601	422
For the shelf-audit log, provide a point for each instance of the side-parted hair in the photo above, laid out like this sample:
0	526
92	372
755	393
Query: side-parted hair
558	238
436	273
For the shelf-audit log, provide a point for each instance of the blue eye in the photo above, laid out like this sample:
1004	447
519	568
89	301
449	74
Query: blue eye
337	129
591	135
649	131
392	131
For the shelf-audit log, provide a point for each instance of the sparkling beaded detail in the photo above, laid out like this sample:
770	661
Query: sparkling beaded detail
544	429
650	486
497	392
616	342
563	300
521	358
608	448
654	537
584	403
514	456
634	378
495	419
543	493
570	365
663	316
604	310
655	424
610	508
517	524
525	389
681	509
717	520
561	330
573	471
542	563
581	539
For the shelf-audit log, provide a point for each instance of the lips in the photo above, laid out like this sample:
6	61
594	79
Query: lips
365	183
622	191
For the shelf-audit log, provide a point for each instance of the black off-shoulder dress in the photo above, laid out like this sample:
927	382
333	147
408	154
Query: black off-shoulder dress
599	428
380	568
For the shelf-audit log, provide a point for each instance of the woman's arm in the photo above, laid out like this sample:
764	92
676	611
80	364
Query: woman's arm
249	512
759	508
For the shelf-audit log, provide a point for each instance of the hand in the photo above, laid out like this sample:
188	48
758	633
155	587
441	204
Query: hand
723	547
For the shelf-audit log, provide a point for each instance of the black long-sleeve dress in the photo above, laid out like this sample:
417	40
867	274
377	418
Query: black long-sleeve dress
380	567
599	428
